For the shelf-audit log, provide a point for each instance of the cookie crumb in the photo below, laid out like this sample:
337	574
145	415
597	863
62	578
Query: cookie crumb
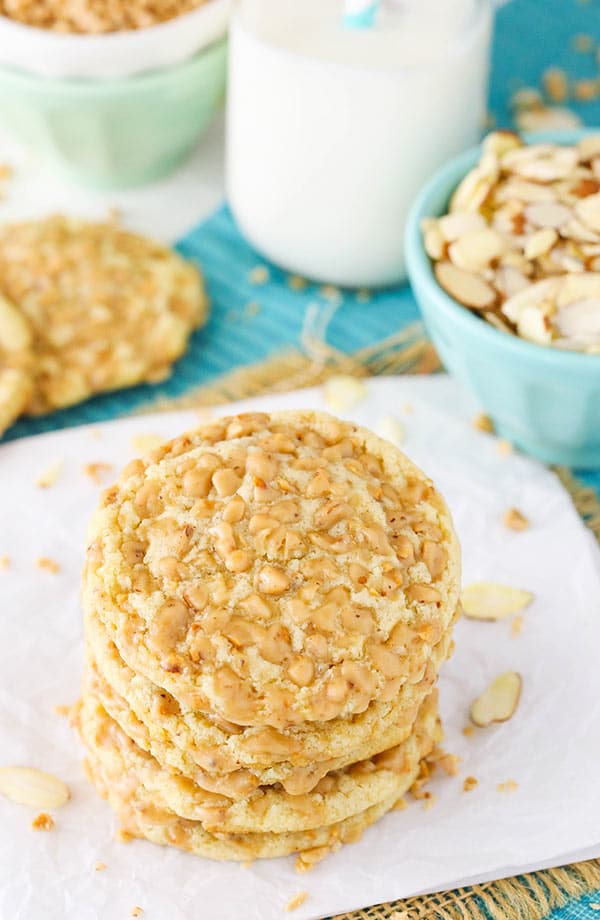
429	802
449	763
515	520
556	84
470	783
342	392
48	565
137	911
100	867
400	805
43	822
97	471
296	282
483	422
259	275
504	447
49	475
306	860
331	293
62	710
4	563
124	836
468	730
144	443
509	786
516	626
296	901
583	43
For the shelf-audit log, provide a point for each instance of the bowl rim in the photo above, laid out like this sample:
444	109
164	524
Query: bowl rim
91	86
420	266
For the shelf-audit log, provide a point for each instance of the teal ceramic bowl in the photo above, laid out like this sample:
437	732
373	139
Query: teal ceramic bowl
545	401
116	133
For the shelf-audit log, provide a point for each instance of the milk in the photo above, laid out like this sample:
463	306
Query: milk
332	131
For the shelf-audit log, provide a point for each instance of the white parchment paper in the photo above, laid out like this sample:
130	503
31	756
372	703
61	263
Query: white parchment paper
551	747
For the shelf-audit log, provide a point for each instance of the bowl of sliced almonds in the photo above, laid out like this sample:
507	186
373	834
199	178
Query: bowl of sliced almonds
503	254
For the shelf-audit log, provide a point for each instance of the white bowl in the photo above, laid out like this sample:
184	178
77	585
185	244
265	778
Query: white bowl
112	54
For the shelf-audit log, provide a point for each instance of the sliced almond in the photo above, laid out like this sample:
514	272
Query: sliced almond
486	600
510	280
540	242
477	249
476	186
33	787
467	288
495	320
588	148
548	214
547	118
500	142
515	189
588	211
391	429
571	288
433	240
541	162
342	392
499	701
455	225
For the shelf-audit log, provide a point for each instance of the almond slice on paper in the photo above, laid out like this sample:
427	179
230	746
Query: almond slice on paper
28	786
499	700
486	600
467	288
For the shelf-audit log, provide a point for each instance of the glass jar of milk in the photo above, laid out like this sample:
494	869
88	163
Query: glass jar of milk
332	130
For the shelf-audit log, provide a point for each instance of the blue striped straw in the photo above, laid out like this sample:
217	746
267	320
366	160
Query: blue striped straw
360	14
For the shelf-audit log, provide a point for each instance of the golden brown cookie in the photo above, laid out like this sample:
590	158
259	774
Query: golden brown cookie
275	569
106	308
15	364
221	757
339	795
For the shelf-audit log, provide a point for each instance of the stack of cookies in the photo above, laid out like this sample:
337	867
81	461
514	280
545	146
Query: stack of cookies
268	601
86	308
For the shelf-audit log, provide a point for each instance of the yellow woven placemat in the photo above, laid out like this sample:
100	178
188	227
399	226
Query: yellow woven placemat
525	897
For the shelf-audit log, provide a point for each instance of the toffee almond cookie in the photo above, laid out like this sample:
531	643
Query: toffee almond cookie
338	795
233	761
274	569
15	364
106	308
164	808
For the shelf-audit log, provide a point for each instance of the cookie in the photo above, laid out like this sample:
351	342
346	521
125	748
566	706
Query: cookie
274	570
15	364
223	758
337	796
106	308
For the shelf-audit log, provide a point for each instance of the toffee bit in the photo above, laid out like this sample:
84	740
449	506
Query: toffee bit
296	901
515	520
48	565
100	867
483	422
43	822
516	627
470	783
97	471
4	563
509	786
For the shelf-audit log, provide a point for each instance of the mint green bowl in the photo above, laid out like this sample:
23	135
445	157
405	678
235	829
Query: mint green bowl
116	133
544	400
